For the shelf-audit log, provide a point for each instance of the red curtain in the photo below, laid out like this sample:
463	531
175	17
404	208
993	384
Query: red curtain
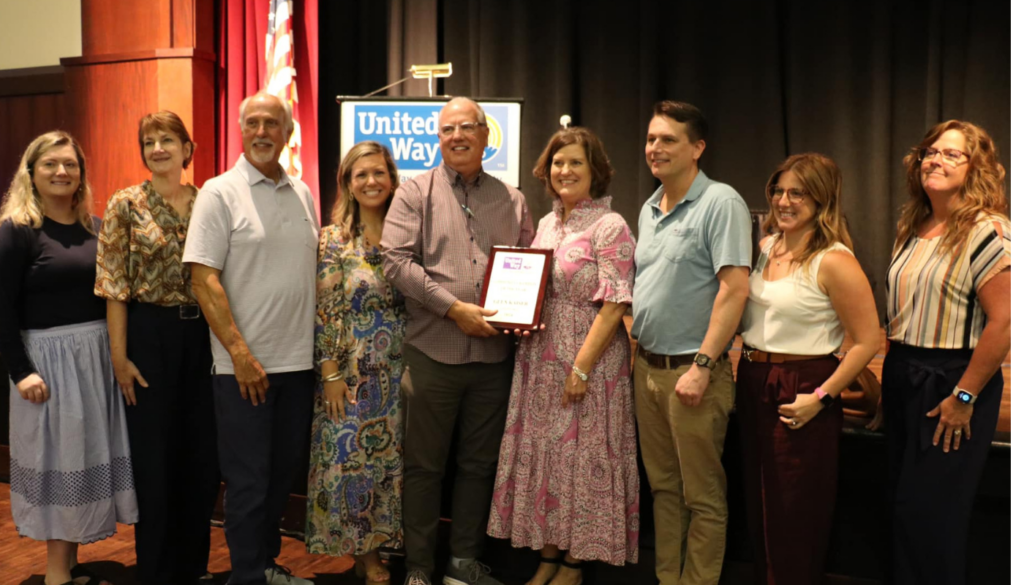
241	71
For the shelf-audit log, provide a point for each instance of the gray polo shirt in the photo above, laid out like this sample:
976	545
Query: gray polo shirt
678	256
263	239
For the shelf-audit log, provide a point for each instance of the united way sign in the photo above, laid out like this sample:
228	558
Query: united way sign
408	128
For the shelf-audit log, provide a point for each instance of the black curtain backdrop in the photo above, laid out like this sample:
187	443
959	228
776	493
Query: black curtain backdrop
858	81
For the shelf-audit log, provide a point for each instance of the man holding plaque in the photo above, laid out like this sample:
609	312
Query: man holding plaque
437	239
692	263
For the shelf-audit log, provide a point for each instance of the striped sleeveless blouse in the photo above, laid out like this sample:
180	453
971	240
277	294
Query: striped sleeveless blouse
932	298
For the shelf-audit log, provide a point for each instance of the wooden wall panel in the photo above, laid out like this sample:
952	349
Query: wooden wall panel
118	27
22	118
106	101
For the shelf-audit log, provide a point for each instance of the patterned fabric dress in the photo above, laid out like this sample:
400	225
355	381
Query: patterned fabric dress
568	475
355	472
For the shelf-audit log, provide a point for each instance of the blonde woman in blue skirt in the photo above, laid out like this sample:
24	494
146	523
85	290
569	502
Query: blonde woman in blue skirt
71	474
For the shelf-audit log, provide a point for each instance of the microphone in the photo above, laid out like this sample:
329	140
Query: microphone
468	211
565	120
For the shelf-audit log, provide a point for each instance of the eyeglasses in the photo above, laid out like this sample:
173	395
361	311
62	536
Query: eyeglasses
951	155
466	128
795	195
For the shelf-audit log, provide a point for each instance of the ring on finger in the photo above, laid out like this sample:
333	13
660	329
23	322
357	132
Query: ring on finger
957	432
793	422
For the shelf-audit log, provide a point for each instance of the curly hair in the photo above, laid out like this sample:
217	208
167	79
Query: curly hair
821	178
601	170
983	190
23	204
346	209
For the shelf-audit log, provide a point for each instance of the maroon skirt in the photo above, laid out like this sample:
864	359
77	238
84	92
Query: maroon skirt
790	475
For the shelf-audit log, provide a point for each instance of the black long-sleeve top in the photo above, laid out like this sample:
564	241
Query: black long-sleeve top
46	280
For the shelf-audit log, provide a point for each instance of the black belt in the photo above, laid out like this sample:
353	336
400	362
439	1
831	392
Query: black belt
189	312
665	362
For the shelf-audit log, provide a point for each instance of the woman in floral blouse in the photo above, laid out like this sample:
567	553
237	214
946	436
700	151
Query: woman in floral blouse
355	474
567	475
160	347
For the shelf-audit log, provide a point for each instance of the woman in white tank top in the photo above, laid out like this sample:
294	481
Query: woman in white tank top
806	291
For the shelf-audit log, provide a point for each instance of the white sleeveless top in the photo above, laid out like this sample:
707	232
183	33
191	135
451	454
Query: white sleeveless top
791	315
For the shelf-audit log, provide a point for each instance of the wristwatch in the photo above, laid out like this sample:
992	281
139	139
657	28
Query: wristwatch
702	360
825	398
963	396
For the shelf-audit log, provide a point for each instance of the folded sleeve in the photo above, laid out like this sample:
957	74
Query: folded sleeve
613	245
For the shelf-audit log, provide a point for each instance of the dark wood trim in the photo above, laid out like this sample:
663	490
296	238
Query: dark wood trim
148	55
31	81
5	464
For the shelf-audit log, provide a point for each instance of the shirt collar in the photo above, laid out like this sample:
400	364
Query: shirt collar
253	175
453	177
604	202
697	188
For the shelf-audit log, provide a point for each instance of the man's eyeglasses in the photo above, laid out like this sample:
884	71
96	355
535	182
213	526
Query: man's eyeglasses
795	195
951	155
465	127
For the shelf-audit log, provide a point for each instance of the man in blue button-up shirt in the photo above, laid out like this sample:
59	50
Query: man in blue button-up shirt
692	263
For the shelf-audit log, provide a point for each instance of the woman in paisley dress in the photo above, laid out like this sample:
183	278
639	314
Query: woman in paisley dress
567	475
355	473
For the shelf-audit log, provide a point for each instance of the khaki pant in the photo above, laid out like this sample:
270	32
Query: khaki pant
682	452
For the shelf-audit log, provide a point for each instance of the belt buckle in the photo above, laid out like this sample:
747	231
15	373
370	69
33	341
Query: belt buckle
188	311
747	353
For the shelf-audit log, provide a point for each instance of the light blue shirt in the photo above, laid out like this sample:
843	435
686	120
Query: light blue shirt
678	256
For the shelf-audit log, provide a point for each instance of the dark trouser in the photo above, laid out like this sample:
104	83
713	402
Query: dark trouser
931	493
475	395
260	450
790	475
172	434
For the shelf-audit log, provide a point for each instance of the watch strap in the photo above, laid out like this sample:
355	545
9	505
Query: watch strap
703	360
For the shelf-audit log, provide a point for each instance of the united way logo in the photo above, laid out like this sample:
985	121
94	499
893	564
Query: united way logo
494	139
513	263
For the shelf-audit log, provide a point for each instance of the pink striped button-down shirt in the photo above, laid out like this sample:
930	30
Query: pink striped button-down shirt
437	239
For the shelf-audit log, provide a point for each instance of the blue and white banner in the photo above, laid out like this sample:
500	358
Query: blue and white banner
409	130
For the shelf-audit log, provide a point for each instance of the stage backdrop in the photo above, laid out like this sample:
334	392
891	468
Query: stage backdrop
860	82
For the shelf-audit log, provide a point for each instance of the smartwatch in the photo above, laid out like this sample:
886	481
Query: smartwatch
702	360
825	398
963	396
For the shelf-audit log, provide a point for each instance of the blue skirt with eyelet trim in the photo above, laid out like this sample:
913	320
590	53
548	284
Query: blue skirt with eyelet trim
71	470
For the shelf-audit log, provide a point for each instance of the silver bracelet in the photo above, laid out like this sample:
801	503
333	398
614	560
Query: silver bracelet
579	373
333	377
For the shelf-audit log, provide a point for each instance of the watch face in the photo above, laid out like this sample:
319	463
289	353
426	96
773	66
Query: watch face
964	397
702	360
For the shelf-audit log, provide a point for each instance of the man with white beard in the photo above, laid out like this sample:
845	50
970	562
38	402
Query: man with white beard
252	245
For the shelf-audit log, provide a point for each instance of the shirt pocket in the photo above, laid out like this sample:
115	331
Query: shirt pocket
680	244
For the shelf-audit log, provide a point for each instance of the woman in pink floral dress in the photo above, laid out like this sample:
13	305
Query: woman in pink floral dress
567	475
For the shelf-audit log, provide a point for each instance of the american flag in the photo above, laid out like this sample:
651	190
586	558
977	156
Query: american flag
280	76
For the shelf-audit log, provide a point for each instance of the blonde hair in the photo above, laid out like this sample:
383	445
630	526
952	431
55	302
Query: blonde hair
823	183
982	191
346	209
23	205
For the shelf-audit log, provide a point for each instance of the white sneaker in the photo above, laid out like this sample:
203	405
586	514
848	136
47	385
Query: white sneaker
278	575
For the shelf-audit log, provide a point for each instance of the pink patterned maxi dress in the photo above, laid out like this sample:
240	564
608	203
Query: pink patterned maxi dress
568	475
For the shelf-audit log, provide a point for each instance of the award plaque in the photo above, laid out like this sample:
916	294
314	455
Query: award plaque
514	286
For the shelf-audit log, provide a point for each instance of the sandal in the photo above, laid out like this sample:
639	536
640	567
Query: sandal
79	571
377	575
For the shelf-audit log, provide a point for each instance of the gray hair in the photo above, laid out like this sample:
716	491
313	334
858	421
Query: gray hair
288	124
480	116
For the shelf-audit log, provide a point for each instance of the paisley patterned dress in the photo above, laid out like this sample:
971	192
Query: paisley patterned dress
568	475
355	471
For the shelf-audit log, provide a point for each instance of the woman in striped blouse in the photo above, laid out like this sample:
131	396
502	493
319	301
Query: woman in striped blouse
948	324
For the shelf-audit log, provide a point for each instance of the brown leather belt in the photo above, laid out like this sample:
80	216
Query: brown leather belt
664	362
765	357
